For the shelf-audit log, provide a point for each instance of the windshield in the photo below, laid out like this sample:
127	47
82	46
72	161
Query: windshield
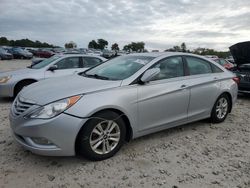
45	62
118	68
2	50
18	49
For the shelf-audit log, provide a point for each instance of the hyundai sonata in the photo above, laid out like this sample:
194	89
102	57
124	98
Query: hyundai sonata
95	112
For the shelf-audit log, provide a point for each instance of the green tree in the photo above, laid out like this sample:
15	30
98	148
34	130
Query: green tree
23	43
183	47
71	44
4	41
135	46
115	47
102	43
93	44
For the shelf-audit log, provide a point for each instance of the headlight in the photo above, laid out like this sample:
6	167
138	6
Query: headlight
4	79
53	109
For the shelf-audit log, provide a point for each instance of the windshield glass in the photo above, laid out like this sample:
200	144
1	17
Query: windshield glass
118	68
45	62
2	50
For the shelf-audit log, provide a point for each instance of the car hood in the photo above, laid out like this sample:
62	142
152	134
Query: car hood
241	52
16	72
5	53
53	89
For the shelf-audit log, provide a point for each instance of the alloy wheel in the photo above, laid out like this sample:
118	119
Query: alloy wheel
105	137
221	108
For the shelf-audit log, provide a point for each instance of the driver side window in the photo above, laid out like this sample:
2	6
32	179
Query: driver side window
170	68
69	63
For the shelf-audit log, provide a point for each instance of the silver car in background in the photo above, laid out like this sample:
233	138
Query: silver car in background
95	112
12	82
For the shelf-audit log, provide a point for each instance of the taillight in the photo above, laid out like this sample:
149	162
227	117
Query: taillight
236	79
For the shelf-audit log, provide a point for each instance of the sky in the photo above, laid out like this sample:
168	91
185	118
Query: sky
161	24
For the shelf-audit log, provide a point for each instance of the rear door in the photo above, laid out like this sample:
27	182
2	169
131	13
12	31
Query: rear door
165	99
66	66
204	84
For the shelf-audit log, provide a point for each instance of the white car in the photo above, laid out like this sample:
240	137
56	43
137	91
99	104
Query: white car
12	82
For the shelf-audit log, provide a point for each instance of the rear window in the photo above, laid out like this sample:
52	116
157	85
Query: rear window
198	66
216	69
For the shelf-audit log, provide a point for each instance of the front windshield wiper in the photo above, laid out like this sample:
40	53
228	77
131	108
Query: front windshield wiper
96	76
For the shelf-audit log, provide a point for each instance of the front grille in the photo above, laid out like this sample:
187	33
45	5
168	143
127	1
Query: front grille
247	77
21	106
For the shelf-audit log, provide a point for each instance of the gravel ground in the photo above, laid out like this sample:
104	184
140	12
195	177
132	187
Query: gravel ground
195	155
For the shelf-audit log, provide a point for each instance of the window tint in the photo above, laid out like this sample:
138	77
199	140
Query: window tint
69	63
45	62
91	61
216	69
223	62
198	66
170	68
120	68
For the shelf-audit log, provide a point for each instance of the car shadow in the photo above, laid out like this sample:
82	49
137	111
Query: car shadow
243	96
5	100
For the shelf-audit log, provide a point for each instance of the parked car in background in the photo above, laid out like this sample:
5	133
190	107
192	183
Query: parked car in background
19	53
5	55
241	55
230	59
36	60
31	50
44	53
226	64
211	56
96	111
12	82
108	53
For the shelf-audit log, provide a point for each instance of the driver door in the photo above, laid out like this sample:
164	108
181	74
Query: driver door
163	102
66	66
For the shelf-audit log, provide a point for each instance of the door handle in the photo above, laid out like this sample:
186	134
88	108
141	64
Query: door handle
183	86
215	78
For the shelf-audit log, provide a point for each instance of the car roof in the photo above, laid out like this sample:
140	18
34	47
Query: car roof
77	55
158	54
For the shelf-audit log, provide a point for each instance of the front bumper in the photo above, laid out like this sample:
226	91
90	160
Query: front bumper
61	131
244	87
7	57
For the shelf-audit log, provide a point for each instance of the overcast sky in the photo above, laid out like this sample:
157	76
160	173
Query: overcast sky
159	23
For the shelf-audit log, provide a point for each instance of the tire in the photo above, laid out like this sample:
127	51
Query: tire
21	85
220	109
98	150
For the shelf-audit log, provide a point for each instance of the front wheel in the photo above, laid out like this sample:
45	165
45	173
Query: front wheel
102	136
221	109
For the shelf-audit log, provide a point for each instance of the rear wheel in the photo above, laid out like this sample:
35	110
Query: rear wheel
221	109
102	136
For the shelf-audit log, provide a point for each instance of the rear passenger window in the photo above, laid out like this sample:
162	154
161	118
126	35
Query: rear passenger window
91	61
216	69
198	66
69	63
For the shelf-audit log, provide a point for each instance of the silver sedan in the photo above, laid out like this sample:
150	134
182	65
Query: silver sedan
12	82
95	112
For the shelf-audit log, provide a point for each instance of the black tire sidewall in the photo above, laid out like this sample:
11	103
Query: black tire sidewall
214	118
83	144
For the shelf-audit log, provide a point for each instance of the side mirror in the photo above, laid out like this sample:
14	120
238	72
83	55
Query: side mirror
149	74
52	68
